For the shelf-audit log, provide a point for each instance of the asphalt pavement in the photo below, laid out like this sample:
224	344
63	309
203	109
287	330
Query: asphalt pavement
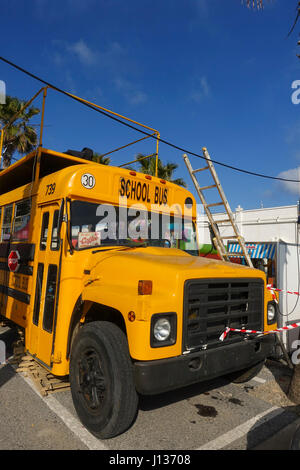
217	415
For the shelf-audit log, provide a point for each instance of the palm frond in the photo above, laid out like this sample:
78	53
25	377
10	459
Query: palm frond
19	136
148	166
97	157
259	4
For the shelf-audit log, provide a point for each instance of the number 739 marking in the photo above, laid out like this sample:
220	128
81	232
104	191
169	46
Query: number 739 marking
50	189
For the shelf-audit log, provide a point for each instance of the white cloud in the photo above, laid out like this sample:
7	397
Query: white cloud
205	87
115	48
130	92
296	155
93	94
137	97
108	57
58	59
289	186
201	90
292	133
83	52
69	80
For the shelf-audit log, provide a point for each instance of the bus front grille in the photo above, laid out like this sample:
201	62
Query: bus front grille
211	305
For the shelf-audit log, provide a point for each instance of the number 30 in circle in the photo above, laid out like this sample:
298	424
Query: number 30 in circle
88	181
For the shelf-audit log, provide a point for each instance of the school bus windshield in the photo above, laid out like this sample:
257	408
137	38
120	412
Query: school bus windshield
95	224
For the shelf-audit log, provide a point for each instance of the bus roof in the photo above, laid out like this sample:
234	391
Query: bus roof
110	183
24	170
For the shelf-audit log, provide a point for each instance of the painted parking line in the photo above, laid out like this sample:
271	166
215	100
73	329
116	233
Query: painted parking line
91	442
240	431
259	380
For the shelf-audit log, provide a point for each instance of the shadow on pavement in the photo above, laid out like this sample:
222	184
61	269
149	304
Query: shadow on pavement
267	427
276	429
6	373
152	402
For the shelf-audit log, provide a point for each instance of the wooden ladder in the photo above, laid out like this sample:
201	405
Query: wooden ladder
218	240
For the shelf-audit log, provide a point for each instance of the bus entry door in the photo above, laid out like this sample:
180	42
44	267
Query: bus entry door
46	285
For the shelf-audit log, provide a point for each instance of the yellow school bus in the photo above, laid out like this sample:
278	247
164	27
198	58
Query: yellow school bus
100	270
100	267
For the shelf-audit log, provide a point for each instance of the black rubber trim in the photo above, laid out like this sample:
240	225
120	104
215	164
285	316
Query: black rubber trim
26	250
15	294
23	269
152	377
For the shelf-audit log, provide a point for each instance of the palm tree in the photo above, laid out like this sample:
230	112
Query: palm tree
259	4
19	136
254	3
97	157
148	167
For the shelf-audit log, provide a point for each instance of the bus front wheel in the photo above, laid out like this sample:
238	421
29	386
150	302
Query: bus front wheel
101	379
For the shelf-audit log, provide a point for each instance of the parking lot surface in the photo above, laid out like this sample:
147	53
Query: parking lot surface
216	415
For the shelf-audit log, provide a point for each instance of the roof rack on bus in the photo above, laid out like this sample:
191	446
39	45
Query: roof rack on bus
85	153
85	150
36	165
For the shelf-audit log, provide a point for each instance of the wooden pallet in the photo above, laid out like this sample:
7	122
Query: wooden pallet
44	381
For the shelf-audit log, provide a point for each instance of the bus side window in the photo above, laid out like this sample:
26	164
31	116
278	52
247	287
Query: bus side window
6	223
21	220
50	298
38	293
44	232
54	237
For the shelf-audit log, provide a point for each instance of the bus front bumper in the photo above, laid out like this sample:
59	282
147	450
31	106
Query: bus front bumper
152	377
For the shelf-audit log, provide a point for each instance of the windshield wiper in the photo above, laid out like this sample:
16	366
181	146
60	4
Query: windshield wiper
129	244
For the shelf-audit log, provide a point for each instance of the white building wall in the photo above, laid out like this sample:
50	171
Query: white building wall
256	225
275	224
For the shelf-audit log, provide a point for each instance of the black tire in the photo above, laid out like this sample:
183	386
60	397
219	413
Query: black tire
245	375
101	379
295	442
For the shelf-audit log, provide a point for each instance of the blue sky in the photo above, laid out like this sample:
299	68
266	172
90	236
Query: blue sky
203	72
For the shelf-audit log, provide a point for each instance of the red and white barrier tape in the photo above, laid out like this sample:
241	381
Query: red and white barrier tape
273	290
288	327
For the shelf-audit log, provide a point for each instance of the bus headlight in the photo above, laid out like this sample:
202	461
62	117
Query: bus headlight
271	312
163	329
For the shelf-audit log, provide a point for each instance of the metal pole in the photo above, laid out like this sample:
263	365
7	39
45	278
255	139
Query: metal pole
1	145
156	161
284	351
127	145
110	112
42	117
137	160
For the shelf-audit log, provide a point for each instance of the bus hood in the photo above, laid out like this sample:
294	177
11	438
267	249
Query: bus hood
114	277
152	262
